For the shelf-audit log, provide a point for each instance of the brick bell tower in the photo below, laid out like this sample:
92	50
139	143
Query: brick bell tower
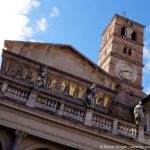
121	53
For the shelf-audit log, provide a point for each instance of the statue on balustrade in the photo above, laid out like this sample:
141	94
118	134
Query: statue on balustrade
41	78
90	97
139	113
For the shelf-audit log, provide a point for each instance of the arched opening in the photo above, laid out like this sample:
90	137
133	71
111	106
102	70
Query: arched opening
1	148
124	50
123	31
129	52
133	36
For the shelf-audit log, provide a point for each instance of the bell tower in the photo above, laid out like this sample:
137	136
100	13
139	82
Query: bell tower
121	53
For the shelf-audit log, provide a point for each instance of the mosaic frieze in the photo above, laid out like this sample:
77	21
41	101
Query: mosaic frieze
42	78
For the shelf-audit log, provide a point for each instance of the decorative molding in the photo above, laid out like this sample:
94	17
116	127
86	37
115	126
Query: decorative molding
128	39
126	59
123	106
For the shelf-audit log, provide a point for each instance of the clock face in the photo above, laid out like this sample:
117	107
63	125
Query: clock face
126	71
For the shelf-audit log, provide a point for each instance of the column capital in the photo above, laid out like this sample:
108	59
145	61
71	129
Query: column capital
20	134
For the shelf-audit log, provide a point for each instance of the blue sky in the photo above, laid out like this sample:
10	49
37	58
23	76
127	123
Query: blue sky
75	22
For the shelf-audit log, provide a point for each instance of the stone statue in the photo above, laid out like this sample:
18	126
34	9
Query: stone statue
41	78
90	97
139	113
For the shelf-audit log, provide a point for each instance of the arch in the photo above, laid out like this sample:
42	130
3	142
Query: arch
129	52
124	50
3	144
133	36
40	146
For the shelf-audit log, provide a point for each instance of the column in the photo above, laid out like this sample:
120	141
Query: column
17	140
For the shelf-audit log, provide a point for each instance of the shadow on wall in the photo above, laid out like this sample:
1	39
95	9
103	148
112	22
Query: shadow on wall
1	146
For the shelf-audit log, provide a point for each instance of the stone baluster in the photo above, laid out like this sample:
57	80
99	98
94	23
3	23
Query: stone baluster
32	99
18	138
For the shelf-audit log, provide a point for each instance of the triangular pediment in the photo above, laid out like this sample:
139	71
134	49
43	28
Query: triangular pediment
62	57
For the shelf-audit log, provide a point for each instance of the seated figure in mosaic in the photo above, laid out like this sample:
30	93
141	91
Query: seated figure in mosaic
67	88
90	97
29	75
19	72
41	78
76	92
139	113
58	85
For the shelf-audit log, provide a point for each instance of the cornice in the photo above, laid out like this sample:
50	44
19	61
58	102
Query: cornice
126	59
124	81
122	18
122	58
128	39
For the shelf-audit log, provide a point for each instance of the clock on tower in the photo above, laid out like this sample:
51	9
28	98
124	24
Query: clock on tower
121	53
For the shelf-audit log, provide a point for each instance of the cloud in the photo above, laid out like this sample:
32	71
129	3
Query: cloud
147	90
146	51
33	40
54	12
14	19
42	24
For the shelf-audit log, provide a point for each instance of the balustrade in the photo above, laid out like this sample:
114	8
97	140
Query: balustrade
127	129
74	112
16	92
70	111
47	103
102	121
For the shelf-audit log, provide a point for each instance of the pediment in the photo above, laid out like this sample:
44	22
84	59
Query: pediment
62	57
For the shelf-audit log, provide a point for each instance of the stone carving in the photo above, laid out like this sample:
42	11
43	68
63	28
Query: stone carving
76	92
19	72
139	113
67	88
41	78
90	97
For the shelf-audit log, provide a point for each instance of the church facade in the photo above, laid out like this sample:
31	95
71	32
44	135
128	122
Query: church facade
53	97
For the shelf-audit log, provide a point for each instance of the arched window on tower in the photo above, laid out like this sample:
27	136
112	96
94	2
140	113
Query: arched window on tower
133	36
124	50
129	52
123	31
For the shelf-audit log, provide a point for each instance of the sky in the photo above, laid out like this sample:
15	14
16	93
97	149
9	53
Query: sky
75	22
